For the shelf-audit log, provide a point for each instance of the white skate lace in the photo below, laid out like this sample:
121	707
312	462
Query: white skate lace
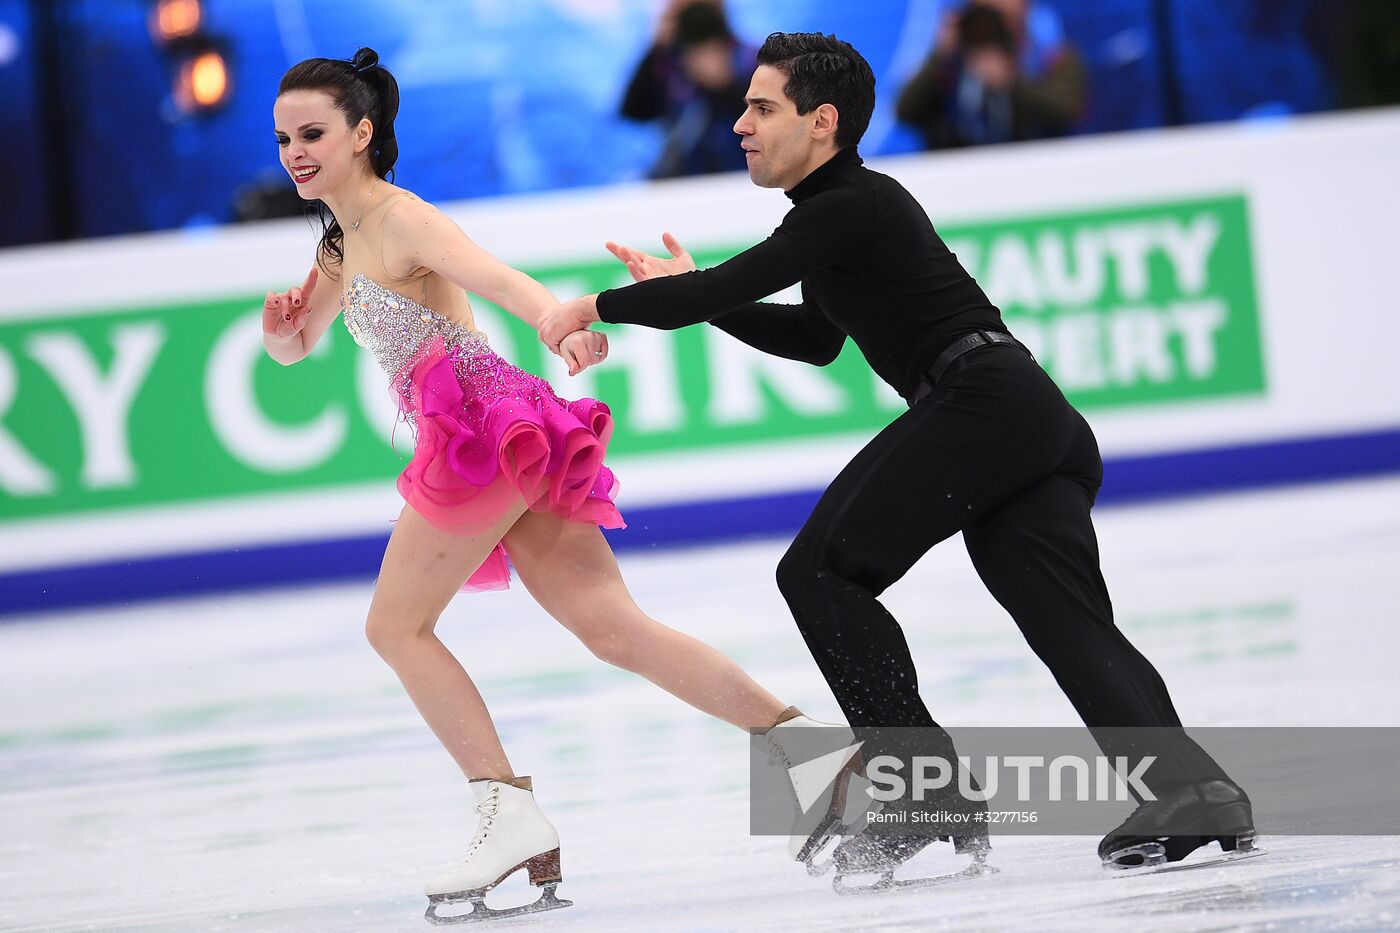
777	755
486	815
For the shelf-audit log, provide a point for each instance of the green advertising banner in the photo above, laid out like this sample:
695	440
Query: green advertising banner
1133	306
179	404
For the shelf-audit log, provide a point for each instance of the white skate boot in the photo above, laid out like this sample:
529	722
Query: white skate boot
830	788
511	834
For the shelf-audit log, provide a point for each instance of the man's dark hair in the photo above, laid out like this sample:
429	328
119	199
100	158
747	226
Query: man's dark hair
824	70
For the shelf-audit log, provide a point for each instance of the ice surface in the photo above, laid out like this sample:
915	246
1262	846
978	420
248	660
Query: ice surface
249	763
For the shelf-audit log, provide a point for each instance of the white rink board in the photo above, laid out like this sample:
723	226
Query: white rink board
1322	195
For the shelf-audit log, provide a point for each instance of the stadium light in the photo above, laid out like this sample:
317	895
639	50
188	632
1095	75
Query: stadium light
176	19
203	81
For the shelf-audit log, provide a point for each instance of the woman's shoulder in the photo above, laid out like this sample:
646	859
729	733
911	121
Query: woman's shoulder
406	212
410	227
400	200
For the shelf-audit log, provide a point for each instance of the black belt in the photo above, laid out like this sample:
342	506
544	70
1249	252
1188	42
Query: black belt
982	338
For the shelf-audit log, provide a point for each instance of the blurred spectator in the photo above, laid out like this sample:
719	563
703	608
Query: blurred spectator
1369	60
268	196
1000	71
693	79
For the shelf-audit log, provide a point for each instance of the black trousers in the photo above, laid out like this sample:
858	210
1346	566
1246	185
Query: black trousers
996	452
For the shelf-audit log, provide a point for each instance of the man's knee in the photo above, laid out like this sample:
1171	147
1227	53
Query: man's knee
798	572
808	573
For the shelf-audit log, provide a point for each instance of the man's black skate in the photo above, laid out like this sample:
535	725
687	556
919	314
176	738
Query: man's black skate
882	854
1162	832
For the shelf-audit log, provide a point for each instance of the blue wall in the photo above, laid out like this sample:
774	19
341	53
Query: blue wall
24	197
501	98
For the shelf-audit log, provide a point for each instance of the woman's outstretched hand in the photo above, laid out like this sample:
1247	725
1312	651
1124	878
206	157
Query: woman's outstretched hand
285	313
582	349
644	266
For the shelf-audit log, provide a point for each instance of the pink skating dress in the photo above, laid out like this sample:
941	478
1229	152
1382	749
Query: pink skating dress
485	431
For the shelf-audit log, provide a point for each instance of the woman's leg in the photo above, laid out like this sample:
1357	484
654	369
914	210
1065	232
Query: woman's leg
571	572
423	568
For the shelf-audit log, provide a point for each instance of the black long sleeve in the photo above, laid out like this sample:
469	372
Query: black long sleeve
806	240
871	267
794	332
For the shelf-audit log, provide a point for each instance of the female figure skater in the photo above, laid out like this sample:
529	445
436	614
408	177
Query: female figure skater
500	465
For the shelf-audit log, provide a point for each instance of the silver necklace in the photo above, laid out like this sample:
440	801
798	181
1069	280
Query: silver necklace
355	227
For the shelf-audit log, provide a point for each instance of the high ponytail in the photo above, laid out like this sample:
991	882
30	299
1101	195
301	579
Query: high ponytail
362	89
384	146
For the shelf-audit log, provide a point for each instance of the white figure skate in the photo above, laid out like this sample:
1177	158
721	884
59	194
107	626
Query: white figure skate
830	789
512	834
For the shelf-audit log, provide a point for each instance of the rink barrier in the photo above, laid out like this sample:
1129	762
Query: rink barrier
1127	480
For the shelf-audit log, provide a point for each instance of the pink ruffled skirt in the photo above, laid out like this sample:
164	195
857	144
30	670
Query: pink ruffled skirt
488	433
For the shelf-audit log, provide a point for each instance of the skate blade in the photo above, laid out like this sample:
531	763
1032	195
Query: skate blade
978	869
827	830
481	912
1155	859
816	867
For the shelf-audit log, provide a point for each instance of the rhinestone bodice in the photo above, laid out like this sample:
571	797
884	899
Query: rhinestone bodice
394	327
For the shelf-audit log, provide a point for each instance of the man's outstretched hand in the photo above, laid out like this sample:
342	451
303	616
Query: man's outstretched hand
644	266
562	320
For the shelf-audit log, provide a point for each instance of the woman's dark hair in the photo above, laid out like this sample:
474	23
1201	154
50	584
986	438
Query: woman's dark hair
361	88
824	70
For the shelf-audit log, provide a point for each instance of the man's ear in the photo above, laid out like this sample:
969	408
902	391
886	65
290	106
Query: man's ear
827	120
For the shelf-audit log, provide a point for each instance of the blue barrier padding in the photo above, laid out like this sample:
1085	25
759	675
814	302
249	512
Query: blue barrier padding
1250	466
1128	479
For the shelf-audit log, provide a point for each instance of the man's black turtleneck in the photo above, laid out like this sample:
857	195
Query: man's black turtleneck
871	267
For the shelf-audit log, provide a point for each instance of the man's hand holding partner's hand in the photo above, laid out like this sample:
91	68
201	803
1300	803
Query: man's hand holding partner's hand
559	322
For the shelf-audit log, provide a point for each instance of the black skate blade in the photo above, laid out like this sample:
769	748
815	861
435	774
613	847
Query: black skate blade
480	912
1155	859
978	869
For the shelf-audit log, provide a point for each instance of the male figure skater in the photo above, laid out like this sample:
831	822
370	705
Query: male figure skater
989	446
